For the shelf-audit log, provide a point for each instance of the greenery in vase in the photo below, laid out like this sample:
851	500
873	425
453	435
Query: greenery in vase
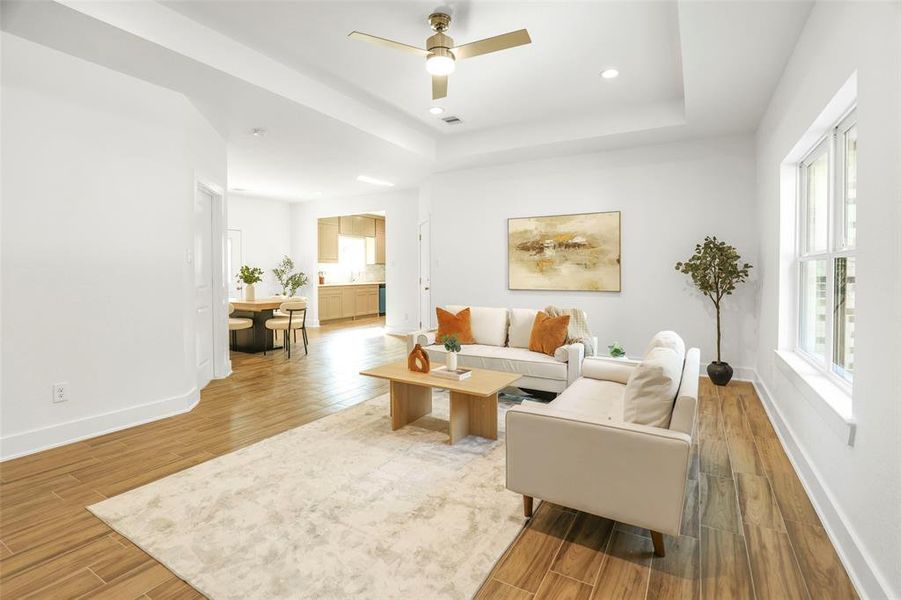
296	281
451	343
250	275
282	272
287	278
715	269
616	350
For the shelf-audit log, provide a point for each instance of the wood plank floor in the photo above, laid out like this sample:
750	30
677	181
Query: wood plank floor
749	529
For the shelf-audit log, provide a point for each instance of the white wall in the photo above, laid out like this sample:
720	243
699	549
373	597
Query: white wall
98	180
670	197
401	248
265	226
857	490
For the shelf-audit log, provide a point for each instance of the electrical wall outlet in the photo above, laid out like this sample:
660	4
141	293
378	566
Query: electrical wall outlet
60	392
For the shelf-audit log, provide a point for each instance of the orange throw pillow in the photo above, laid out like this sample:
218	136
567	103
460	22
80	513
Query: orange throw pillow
548	333
458	325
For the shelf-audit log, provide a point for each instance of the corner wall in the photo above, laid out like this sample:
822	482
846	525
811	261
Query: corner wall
98	185
856	489
670	197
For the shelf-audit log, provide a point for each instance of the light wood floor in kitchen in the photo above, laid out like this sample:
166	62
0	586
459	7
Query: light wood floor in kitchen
749	528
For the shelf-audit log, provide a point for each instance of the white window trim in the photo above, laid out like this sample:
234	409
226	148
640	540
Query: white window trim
834	231
830	401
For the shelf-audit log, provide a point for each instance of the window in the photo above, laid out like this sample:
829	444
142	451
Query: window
826	251
352	252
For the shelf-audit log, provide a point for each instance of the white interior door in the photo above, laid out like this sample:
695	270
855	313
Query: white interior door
203	283
234	259
425	280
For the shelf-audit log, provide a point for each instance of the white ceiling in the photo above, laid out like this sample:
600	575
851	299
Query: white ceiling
556	75
334	107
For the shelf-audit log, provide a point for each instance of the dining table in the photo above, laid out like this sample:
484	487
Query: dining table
256	338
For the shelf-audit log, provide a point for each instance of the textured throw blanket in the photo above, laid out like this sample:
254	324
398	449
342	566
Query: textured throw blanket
578	326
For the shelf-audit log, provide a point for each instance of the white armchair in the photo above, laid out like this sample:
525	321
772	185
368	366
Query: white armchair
578	452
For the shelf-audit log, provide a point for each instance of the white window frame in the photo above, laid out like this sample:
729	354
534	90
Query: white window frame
836	245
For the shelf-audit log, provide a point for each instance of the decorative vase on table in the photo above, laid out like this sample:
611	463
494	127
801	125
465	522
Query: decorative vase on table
451	361
249	293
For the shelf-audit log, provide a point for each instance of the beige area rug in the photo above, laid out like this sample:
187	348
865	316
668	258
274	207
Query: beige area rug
339	508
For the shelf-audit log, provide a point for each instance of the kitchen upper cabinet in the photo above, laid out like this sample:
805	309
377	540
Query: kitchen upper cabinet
379	241
346	225
364	226
328	240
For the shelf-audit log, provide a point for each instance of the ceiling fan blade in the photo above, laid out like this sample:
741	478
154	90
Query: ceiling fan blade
373	39
493	44
439	86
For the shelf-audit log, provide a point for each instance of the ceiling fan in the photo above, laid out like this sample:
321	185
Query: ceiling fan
441	54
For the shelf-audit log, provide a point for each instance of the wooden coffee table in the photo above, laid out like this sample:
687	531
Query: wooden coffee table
473	401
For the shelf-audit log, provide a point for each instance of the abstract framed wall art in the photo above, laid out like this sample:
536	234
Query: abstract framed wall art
565	252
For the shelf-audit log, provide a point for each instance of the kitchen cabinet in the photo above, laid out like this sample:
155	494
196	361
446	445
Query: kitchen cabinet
328	240
356	225
379	241
366	300
348	301
364	226
330	304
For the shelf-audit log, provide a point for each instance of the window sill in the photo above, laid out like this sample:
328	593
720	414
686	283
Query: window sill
830	401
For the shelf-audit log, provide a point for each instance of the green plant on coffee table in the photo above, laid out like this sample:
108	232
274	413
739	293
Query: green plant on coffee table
250	275
616	350
451	343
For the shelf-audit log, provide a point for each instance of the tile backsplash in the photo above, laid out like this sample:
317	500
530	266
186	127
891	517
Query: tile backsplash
336	273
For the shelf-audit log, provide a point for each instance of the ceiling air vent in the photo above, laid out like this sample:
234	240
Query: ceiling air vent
452	120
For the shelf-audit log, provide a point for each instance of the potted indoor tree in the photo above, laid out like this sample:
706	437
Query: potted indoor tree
249	276
715	269
452	345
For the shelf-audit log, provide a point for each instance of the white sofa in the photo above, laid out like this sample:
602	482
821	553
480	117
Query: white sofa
580	452
501	337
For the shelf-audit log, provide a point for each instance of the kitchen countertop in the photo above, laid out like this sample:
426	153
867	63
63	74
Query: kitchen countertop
352	283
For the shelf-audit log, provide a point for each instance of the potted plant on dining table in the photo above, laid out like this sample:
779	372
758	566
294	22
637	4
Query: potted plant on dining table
249	276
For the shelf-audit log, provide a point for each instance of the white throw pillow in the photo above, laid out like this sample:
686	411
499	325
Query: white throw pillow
667	339
652	388
521	321
489	325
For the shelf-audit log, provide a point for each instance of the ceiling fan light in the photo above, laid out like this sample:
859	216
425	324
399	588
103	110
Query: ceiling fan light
438	64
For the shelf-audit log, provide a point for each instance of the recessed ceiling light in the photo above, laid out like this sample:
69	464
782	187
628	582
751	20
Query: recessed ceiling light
373	180
238	190
258	132
609	73
436	110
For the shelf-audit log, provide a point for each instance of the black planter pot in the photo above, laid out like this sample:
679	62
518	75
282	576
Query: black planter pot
720	373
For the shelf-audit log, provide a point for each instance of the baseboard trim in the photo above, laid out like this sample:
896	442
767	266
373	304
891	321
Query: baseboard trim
398	330
738	373
45	438
868	583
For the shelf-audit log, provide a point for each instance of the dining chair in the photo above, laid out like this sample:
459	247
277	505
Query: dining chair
278	312
296	319
236	324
